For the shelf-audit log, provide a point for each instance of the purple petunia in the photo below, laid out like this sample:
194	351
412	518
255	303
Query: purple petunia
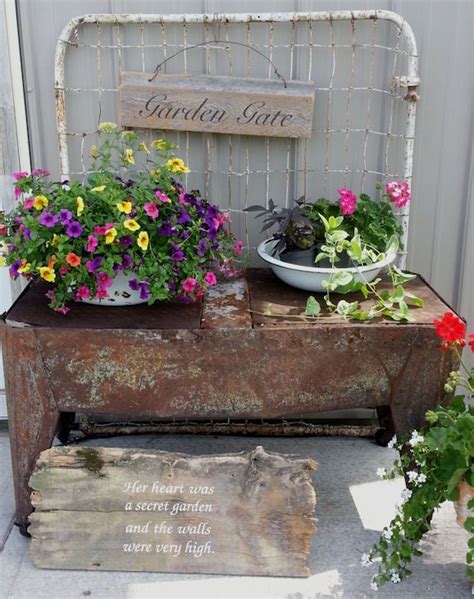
144	290
177	254
66	216
126	241
73	229
134	285
166	230
48	219
127	262
13	269
184	217
94	265
202	247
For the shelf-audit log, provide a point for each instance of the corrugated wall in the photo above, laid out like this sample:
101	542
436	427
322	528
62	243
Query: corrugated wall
442	218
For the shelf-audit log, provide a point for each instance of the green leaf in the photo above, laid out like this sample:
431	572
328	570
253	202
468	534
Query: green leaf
346	308
313	307
341	278
392	245
413	300
399	277
338	236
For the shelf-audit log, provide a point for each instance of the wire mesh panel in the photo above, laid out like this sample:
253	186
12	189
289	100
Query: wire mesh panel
363	65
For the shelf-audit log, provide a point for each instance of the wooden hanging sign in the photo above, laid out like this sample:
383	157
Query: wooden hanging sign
142	510
217	104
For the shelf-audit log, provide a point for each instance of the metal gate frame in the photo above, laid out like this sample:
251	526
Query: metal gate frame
410	81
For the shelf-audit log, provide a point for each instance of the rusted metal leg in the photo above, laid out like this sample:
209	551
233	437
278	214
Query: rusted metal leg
66	420
32	413
387	429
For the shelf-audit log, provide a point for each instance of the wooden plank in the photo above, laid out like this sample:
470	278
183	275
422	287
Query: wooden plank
217	104
249	513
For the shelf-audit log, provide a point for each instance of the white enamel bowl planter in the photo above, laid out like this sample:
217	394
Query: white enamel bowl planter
310	278
119	292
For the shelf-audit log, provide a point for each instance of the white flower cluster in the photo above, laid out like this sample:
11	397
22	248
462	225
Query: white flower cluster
387	534
418	478
374	586
395	576
393	442
406	494
381	472
416	439
365	559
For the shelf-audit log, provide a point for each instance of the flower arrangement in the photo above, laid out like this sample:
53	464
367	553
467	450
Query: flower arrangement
121	219
352	232
434	460
304	226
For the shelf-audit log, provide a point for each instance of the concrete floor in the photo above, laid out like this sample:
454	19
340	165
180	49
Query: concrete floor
352	507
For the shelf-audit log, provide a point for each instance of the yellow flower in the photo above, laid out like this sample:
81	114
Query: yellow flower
94	151
98	188
47	273
125	207
158	144
80	205
129	156
40	202
176	165
107	126
131	224
143	148
110	235
143	240
2	261
129	135
54	240
25	266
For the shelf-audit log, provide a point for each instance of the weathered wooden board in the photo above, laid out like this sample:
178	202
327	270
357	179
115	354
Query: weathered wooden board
249	513
217	104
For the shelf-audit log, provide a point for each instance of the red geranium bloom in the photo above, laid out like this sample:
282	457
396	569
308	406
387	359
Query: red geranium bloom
471	342
451	329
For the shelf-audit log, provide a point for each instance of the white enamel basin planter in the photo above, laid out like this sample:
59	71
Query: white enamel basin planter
310	278
119	292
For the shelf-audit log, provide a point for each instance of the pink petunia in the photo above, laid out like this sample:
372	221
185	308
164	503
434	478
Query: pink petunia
238	247
101	293
63	270
102	230
347	201
83	292
103	279
161	196
210	278
28	203
63	310
189	284
92	243
151	209
227	217
17	193
19	175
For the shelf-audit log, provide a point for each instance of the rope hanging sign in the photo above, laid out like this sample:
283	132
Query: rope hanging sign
216	104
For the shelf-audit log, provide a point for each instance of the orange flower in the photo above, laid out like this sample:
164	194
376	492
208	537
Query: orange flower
73	259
